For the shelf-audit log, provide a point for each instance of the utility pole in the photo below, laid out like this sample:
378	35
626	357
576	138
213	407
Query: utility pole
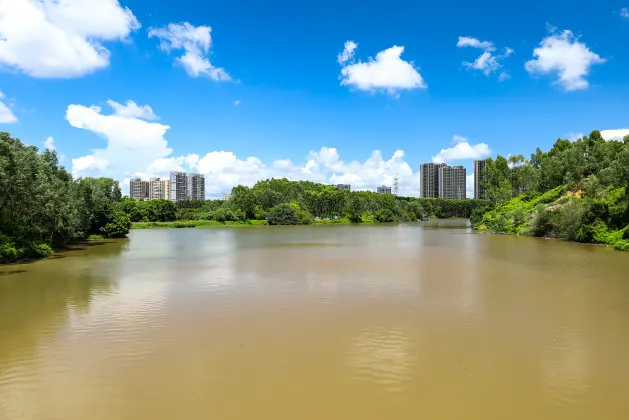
396	185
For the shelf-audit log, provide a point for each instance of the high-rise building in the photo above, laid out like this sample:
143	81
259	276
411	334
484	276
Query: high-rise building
452	182
138	189
344	187
186	186
195	186
429	179
159	189
479	179
383	189
178	186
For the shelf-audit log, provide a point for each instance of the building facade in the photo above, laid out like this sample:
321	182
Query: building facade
383	189
159	189
178	186
452	182
186	186
344	187
429	179
138	189
195	186
479	179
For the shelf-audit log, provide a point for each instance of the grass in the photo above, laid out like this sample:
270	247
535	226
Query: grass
342	221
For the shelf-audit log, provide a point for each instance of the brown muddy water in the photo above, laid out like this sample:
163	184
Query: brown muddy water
414	322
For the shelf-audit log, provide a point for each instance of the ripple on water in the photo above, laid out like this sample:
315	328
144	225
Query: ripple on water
384	356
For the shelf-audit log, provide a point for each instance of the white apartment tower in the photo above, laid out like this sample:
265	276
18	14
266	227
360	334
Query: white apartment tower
159	189
452	182
383	189
178	186
195	186
186	186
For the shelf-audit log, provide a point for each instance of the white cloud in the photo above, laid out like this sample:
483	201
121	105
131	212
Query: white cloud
468	41
49	144
236	102
132	110
132	144
61	38
462	150
504	76
387	72
469	186
487	62
562	54
624	13
574	136
88	163
6	115
348	52
195	41
617	134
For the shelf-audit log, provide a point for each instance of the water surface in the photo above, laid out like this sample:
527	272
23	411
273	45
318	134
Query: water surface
403	322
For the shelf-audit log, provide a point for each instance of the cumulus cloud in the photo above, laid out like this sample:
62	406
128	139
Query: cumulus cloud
617	134
469	186
195	41
6	115
49	144
132	110
565	56
387	72
61	38
468	41
488	62
348	52
132	143
624	13
138	148
462	150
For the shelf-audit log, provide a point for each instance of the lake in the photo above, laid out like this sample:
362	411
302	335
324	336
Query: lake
418	321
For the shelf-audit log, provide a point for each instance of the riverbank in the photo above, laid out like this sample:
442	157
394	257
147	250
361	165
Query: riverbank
560	214
179	224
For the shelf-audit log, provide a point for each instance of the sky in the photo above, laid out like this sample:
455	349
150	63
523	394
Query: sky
334	92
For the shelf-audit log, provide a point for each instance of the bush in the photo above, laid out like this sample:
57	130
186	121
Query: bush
282	214
8	253
223	214
39	250
118	224
385	216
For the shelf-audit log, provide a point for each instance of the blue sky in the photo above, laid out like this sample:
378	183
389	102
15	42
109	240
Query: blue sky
270	94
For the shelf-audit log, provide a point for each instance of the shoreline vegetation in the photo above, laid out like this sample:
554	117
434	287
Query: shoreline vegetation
577	191
43	208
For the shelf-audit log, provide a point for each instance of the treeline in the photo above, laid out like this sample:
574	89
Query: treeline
577	191
283	202
42	207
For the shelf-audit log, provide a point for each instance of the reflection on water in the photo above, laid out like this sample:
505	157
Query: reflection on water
401	321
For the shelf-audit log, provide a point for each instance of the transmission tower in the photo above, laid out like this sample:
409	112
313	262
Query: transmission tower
396	185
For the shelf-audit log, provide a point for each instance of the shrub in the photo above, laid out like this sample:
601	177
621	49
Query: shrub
8	253
384	216
118	224
39	249
223	214
282	214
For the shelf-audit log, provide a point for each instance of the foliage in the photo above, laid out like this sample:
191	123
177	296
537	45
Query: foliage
282	214
577	191
42	207
118	224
